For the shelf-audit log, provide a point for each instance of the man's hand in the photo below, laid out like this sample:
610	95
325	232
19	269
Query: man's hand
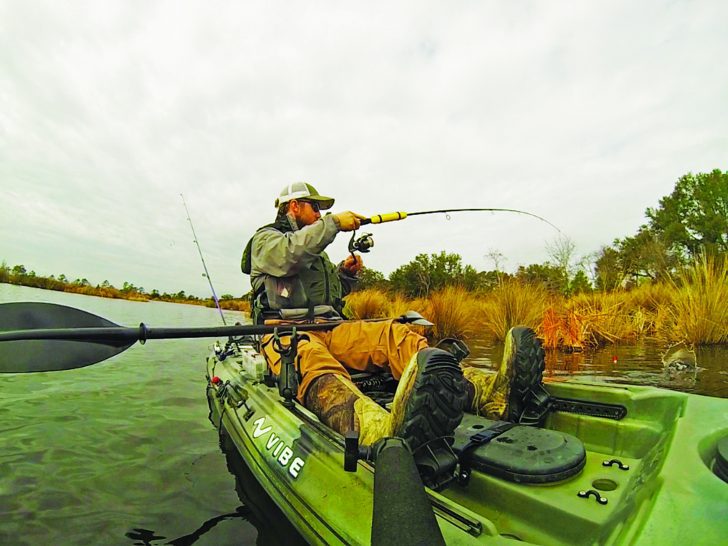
348	221
352	264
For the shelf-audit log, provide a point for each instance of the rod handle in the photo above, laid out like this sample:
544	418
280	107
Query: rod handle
381	218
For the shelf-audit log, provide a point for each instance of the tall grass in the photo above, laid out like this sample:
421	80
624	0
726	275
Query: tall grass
698	312
368	304
242	305
691	308
512	303
454	312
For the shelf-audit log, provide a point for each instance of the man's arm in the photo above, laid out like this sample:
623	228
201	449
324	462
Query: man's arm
283	254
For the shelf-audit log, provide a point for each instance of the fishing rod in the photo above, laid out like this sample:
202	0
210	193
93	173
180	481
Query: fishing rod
204	265
394	216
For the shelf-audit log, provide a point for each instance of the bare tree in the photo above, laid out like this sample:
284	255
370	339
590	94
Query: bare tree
561	251
497	257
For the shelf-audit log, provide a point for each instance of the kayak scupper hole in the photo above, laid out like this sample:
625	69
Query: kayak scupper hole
604	484
531	448
476	427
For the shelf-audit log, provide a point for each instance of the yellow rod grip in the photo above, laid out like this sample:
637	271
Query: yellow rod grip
388	217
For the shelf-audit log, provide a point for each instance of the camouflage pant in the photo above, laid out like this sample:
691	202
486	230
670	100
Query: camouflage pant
372	346
360	346
489	391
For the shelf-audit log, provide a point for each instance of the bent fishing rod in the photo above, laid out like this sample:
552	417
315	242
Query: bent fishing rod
204	265
394	216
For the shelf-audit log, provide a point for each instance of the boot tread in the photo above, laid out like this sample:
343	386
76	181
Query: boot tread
435	406
527	369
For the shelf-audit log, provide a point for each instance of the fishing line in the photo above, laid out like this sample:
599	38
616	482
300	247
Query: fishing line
204	265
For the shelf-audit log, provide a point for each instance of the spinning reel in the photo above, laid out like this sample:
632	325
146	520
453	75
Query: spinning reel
362	244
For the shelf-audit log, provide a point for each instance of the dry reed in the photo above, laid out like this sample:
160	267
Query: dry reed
698	312
454	312
692	308
368	304
510	304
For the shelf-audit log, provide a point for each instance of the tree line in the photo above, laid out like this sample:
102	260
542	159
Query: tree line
18	274
689	222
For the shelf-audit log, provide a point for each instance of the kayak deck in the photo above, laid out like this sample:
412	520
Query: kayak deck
658	486
625	470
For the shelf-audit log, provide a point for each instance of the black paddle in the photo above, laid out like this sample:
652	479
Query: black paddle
43	337
402	512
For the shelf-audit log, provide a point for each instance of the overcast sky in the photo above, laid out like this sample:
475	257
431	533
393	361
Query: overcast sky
585	113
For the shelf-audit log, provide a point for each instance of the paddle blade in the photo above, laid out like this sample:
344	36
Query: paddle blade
53	355
42	355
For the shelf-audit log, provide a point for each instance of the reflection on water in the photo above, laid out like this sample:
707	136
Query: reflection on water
147	537
122	452
636	364
273	527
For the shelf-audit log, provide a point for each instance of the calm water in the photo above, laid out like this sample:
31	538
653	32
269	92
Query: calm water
122	452
641	365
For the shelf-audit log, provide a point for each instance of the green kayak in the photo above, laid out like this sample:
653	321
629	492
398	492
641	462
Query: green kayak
613	464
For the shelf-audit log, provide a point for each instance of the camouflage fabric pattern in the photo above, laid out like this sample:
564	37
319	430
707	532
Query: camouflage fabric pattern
360	346
491	388
339	404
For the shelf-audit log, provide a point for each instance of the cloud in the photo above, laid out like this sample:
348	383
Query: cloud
584	114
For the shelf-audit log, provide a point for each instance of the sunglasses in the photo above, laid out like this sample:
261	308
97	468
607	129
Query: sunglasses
314	205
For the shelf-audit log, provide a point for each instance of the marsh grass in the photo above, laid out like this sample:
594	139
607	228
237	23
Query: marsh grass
698	312
398	305
242	305
692	308
511	304
368	304
454	312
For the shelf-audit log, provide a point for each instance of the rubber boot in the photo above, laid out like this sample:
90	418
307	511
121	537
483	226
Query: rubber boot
513	392
428	404
340	405
430	398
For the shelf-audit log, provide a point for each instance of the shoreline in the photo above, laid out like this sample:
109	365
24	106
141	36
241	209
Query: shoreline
111	292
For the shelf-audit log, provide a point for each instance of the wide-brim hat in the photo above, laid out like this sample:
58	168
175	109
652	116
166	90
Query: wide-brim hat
305	191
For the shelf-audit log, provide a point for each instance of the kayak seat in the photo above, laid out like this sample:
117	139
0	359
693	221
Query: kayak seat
518	453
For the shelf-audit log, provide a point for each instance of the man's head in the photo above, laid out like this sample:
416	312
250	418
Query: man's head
303	202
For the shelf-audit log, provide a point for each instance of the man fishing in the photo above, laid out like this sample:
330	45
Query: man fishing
293	278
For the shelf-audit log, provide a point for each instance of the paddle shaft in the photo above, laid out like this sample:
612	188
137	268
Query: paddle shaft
143	333
50	337
402	513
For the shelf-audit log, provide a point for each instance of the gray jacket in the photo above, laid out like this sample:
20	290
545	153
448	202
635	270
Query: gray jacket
289	269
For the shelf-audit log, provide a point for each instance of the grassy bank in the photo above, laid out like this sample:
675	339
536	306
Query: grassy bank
106	290
691	307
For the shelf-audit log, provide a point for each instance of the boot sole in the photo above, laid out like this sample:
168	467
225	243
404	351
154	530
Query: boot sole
527	370
437	401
